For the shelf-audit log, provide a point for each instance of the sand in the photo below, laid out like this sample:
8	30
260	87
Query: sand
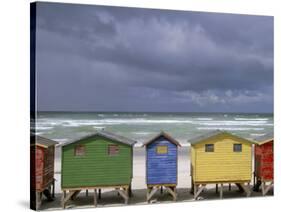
110	197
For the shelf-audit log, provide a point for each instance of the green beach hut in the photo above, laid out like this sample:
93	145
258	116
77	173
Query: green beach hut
96	161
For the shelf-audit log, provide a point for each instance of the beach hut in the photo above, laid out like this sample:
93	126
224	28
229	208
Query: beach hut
97	161
161	164
219	157
263	175
42	154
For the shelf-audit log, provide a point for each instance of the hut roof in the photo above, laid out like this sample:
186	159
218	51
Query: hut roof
265	138
105	134
165	135
211	134
44	142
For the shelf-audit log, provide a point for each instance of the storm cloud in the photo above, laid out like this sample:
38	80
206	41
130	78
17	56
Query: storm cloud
97	58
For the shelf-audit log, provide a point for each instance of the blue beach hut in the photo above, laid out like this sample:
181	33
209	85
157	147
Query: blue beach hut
161	164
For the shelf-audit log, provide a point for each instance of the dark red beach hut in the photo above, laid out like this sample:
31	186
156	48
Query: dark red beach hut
264	160
42	169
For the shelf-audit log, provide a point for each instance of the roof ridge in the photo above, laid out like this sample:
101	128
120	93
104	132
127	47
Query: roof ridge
106	134
213	133
166	135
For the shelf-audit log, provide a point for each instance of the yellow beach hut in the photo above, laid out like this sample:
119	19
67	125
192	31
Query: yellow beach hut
219	157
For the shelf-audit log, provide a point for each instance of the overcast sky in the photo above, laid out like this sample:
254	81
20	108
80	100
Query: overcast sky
94	58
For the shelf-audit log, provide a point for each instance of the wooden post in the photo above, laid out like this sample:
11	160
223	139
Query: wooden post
161	189
62	199
75	194
127	196
63	195
53	189
239	187
130	191
257	185
87	193
266	188
195	190
172	191
67	197
38	200
246	189
95	198
99	193
200	189
124	194
229	186
151	193
221	191
262	187
192	186
147	194
254	173
217	188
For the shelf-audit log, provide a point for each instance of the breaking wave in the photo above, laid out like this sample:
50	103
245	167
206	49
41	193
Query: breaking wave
230	128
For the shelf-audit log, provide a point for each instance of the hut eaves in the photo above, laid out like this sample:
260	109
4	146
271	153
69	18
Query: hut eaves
165	135
44	142
213	133
105	134
268	137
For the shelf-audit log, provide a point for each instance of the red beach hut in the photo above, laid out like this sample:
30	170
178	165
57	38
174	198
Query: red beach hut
42	154
264	160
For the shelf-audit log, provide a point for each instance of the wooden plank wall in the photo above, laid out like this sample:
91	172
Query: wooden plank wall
96	167
266	163
161	168
49	156
223	164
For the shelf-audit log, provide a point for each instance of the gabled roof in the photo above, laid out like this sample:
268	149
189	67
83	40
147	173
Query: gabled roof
44	142
165	135
105	134
265	138
211	134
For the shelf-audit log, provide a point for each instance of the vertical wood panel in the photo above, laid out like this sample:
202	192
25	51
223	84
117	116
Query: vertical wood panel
96	167
264	161
44	166
161	168
223	164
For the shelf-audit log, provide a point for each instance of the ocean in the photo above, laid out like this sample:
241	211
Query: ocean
65	126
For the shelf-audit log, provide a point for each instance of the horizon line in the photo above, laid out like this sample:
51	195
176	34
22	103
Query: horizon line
84	111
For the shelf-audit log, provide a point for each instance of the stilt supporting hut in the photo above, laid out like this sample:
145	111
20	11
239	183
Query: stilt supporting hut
161	165
219	157
42	154
264	160
95	162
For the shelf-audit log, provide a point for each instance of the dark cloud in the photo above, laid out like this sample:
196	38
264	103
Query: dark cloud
120	59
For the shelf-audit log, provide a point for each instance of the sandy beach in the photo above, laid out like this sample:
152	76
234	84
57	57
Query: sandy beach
110	198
